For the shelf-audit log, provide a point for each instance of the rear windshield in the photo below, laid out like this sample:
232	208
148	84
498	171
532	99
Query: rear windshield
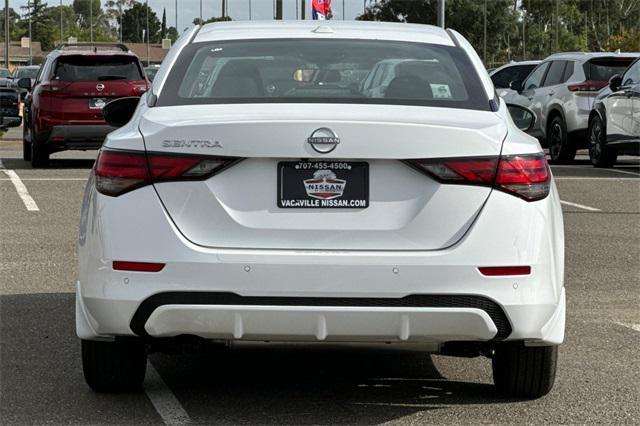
604	69
97	68
324	71
4	73
26	73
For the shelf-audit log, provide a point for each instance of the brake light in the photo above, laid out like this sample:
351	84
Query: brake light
118	172
525	176
587	86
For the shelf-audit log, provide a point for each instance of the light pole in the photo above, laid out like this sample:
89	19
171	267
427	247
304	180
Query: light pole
28	7
148	55
120	10
91	20
441	7
6	33
61	30
200	12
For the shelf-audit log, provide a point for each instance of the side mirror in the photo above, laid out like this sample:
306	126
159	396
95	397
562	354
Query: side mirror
24	83
615	82
516	85
118	112
10	122
523	117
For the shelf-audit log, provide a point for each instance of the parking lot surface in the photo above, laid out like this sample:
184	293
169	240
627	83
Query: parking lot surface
40	370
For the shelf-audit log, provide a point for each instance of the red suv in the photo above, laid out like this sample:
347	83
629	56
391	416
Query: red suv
64	108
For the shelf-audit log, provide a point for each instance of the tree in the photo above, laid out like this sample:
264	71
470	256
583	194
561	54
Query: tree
42	25
134	21
113	11
14	19
69	21
89	12
172	34
163	28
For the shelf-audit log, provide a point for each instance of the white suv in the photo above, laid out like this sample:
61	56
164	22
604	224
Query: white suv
271	200
561	92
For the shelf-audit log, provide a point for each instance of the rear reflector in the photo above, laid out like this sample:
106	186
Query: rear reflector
496	271
525	176
118	172
119	265
587	86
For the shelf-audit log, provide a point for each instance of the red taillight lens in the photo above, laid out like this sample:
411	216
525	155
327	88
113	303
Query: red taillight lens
480	171
497	271
119	265
587	86
118	172
526	176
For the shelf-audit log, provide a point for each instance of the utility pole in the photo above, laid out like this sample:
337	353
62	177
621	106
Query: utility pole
6	33
558	23
249	9
200	12
303	11
524	37
61	30
441	8
484	38
91	19
148	55
120	10
279	9
177	30
343	18
224	8
28	7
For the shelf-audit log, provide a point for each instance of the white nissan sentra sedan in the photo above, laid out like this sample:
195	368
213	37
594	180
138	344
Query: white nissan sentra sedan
263	191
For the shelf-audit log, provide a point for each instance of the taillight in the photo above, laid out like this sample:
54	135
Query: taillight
525	176
118	172
587	86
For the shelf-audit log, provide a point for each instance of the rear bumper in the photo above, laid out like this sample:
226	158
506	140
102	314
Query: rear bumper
306	295
79	136
11	121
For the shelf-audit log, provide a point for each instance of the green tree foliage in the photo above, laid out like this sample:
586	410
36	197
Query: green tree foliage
172	33
14	19
89	12
42	25
69	21
134	21
163	27
548	25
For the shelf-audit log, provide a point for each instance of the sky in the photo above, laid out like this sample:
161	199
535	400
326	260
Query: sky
237	9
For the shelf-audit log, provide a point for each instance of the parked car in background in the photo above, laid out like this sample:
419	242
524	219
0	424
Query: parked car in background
151	71
64	107
614	123
5	77
417	215
561	91
505	75
29	71
9	108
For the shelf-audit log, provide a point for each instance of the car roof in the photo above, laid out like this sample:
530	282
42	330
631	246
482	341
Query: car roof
26	67
513	64
585	56
246	30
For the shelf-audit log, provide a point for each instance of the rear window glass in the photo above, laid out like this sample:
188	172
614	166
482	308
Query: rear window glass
26	73
97	68
502	79
4	73
326	71
604	69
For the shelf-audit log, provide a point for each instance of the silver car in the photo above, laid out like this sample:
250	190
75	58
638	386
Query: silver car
561	92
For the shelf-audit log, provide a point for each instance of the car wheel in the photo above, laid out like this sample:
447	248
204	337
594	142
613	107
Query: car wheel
39	155
561	150
117	366
599	153
521	371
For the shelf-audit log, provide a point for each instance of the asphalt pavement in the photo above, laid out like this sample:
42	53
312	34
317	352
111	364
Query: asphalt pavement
40	369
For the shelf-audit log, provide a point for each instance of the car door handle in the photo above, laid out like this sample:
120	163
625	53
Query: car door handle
551	93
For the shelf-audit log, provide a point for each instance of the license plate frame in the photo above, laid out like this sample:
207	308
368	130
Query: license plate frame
330	184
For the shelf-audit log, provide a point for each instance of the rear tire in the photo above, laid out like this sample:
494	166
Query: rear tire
561	148
26	144
521	371
117	366
599	153
39	155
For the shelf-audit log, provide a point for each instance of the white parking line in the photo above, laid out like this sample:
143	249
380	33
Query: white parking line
164	401
626	172
22	191
630	325
580	206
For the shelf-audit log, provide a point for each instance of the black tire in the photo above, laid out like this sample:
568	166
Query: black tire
561	148
521	371
117	366
26	144
599	153
39	155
